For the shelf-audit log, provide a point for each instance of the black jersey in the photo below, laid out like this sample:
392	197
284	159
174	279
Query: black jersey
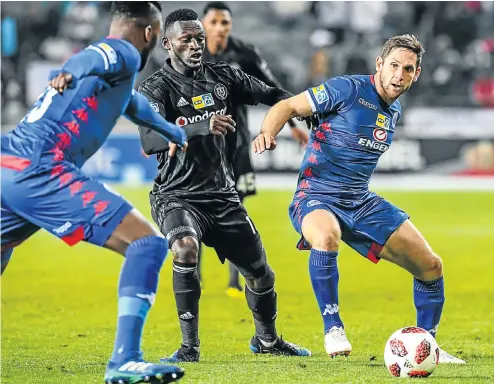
246	57
206	168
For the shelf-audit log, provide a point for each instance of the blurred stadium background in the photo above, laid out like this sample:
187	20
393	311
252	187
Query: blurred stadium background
445	142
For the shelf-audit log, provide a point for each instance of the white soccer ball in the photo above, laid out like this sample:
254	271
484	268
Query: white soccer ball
411	352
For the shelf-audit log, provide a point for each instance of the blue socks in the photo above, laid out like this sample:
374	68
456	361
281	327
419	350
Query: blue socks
323	270
428	297
136	294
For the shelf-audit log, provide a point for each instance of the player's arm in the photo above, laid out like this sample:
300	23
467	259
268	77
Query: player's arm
277	117
153	143
331	96
96	60
252	91
140	112
261	71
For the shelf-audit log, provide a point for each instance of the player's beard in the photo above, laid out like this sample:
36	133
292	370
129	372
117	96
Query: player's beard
386	89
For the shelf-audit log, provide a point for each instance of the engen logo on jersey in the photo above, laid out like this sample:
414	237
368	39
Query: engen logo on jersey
382	121
320	94
368	143
203	101
380	134
182	120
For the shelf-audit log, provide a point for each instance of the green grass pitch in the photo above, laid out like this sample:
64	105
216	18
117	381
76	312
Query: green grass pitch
59	304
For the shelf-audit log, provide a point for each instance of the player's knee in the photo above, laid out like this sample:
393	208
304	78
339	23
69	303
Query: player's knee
322	230
433	268
326	239
185	250
264	282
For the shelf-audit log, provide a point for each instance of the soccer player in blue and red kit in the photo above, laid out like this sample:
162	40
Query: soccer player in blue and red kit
332	202
43	186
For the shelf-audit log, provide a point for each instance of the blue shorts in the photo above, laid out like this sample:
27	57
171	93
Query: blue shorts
58	197
366	223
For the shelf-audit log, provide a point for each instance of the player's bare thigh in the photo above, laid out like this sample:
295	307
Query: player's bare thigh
321	229
133	227
407	248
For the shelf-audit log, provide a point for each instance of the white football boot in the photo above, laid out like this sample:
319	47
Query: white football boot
336	342
446	358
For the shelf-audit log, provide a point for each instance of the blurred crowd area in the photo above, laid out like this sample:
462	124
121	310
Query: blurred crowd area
303	42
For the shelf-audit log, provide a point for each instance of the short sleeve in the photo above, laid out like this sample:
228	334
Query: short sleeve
332	95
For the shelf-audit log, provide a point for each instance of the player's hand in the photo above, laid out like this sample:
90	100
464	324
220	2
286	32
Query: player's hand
263	142
220	125
172	150
61	82
301	136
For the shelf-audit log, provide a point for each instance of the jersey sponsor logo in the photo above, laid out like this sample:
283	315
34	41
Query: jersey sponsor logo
380	134
63	228
320	94
220	91
110	52
313	203
382	121
202	101
368	143
155	106
365	103
182	102
395	119
182	120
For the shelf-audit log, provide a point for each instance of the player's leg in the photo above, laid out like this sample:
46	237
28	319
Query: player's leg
245	184
236	238
235	289
184	232
400	242
14	229
321	233
407	248
200	253
122	228
61	199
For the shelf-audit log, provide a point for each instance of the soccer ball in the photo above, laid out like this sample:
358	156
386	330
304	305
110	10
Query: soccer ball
411	352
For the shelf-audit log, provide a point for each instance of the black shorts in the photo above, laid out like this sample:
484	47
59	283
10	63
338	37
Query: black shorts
221	224
245	178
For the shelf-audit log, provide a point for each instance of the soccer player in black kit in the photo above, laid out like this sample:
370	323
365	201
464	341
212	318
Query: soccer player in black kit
221	46
194	197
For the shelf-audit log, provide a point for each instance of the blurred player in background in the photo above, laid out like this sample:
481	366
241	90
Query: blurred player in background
43	186
194	197
332	202
221	46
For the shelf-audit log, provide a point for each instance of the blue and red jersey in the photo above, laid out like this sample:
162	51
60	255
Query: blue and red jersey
356	128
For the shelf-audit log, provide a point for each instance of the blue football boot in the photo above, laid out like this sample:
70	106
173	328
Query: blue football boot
133	372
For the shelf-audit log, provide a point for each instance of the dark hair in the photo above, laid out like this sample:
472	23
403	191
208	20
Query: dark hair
216	5
182	14
410	42
135	9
